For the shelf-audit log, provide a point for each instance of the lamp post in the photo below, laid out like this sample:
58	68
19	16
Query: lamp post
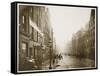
43	48
50	51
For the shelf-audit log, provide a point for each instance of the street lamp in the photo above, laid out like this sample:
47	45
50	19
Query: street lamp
42	48
50	50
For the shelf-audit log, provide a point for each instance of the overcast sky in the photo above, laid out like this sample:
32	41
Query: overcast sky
66	21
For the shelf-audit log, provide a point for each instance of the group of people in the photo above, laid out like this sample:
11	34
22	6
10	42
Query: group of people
57	57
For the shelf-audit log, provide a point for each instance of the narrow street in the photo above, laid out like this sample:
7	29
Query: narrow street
70	62
74	62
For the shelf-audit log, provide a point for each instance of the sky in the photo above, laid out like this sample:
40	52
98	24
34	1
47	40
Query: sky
65	21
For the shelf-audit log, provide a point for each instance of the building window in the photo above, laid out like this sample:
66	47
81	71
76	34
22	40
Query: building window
31	32
35	52
24	47
23	19
35	35
24	26
30	53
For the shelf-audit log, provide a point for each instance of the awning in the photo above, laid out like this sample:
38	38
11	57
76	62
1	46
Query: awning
33	24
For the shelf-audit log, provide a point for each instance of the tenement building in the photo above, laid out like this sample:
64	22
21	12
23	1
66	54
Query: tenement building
35	37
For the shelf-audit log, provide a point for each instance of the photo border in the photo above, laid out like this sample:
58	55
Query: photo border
14	37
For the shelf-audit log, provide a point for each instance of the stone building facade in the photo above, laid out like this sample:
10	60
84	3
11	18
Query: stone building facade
35	37
83	41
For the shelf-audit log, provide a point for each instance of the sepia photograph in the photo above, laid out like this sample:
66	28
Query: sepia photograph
55	37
